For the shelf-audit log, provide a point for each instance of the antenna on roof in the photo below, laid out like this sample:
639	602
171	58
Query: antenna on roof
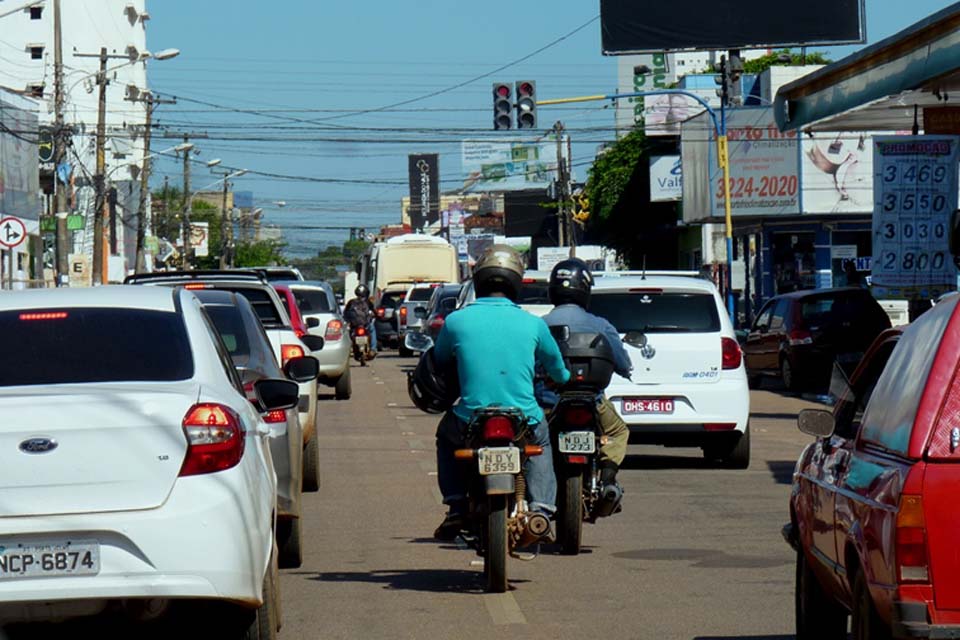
643	273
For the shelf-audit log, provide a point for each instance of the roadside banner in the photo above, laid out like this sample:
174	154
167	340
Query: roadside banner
915	195
666	178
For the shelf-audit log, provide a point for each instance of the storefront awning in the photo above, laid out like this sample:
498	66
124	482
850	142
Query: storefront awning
882	87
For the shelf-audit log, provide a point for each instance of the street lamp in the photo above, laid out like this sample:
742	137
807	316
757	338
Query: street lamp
214	162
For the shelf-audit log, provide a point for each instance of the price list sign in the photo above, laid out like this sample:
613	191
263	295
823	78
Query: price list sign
915	195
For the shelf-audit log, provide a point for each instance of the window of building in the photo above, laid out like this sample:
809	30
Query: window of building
36	52
36	13
35	90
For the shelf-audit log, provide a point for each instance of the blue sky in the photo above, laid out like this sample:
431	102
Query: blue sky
279	64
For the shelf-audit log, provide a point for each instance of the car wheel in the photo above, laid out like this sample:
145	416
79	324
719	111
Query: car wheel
817	617
739	455
343	389
289	543
866	623
789	375
261	624
311	465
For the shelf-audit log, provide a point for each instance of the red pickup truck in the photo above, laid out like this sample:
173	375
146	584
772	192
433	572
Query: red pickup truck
875	505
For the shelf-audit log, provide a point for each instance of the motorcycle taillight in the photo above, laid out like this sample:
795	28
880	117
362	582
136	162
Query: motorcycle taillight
498	428
577	416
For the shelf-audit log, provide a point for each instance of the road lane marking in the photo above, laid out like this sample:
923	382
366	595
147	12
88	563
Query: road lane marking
391	404
503	609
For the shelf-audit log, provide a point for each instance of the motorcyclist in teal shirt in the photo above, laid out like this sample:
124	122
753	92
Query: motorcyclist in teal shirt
496	346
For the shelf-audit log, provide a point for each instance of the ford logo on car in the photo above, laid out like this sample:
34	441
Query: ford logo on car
38	445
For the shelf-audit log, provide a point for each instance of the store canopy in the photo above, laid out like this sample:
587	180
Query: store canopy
883	87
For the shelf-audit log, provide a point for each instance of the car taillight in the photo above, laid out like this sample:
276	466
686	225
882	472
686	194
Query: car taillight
289	352
799	336
731	355
380	312
498	428
214	439
334	330
50	315
911	541
403	315
437	322
299	332
577	416
276	416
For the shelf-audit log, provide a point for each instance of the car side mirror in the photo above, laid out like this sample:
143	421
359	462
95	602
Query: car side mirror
303	369
420	312
314	343
277	395
816	422
448	304
313	323
636	339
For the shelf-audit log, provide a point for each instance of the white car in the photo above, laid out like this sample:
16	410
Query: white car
533	298
689	384
316	300
136	472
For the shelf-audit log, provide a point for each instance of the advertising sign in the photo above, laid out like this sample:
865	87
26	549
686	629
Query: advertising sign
915	188
19	177
640	26
666	178
509	166
837	172
424	174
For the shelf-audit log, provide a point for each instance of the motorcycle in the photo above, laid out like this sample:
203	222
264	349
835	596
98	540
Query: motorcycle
576	436
498	521
360	337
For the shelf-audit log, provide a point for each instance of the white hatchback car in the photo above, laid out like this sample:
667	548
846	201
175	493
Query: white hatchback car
689	385
136	472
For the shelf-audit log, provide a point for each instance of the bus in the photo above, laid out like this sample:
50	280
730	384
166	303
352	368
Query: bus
397	263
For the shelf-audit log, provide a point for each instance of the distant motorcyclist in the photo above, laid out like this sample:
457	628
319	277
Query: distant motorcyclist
359	313
496	346
569	289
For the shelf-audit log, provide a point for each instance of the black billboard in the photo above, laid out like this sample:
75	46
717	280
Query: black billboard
424	172
642	26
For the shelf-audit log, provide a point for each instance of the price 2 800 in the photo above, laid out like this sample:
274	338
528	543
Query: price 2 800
913	261
763	187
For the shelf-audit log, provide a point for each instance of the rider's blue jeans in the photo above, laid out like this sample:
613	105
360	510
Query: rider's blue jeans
452	474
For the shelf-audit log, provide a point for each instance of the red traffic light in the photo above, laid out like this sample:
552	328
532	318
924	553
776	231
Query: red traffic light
501	91
525	88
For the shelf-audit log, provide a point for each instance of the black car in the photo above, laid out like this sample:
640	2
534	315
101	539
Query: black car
388	332
800	335
442	303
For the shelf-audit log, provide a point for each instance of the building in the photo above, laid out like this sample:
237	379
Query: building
27	67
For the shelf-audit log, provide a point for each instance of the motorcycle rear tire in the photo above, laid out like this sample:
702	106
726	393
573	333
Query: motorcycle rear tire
495	558
570	518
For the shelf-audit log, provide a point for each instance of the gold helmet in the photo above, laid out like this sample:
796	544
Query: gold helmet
498	270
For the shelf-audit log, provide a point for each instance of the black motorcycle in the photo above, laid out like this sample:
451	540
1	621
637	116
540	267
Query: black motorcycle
499	521
577	435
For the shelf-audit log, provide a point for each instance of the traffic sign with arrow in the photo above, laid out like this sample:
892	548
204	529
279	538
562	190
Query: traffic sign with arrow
12	232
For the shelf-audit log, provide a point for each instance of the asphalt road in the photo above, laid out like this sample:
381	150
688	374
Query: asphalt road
696	553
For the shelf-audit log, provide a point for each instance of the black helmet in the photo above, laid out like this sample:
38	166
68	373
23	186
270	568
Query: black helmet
430	388
498	270
362	292
570	283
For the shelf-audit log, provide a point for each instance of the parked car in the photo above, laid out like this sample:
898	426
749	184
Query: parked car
266	302
139	472
873	507
323	316
798	336
689	386
416	297
252	356
442	303
534	295
277	274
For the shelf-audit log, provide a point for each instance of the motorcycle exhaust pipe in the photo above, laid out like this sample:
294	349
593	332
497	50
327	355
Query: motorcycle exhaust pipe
537	524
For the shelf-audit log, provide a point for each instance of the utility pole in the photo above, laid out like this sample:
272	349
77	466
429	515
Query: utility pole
226	230
59	152
100	226
561	188
150	103
187	203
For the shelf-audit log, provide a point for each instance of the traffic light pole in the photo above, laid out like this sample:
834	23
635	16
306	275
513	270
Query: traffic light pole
723	157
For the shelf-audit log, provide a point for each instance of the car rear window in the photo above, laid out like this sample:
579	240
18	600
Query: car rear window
312	300
534	293
420	295
391	300
78	345
281	275
261	302
838	307
229	324
658	312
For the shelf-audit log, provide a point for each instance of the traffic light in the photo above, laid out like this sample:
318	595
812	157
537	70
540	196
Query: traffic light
502	106
526	104
728	80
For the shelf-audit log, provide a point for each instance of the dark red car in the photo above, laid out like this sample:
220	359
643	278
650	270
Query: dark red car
297	323
875	505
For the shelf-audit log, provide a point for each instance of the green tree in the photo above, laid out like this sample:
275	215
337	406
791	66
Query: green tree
324	265
611	174
259	253
784	58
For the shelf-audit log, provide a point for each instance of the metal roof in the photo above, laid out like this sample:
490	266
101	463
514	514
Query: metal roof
882	87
